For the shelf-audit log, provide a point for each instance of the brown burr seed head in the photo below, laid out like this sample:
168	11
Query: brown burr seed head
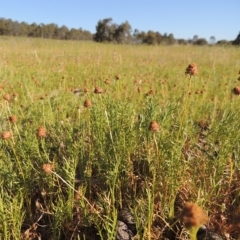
154	126
7	97
42	97
41	132
236	91
6	135
151	92
107	81
47	168
191	69
98	90
203	124
13	119
15	95
192	215
87	103
117	77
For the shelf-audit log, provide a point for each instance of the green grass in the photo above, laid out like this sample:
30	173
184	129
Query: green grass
105	158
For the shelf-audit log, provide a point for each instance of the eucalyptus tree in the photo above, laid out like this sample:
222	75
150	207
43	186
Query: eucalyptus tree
105	30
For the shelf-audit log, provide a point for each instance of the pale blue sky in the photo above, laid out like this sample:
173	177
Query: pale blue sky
182	18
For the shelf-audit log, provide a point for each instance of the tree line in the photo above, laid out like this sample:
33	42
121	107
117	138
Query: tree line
14	28
106	31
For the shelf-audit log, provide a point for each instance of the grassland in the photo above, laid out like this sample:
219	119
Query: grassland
93	158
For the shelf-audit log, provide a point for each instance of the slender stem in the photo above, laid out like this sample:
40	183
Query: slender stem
77	192
193	233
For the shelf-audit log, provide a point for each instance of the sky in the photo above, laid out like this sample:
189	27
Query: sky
182	18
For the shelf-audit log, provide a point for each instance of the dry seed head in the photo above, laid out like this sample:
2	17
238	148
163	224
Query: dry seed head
85	90
98	90
203	124
191	69
154	126
47	168
6	135
41	132
13	119
236	91
151	92
15	95
107	81
117	77
192	215
87	103
77	195
7	97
